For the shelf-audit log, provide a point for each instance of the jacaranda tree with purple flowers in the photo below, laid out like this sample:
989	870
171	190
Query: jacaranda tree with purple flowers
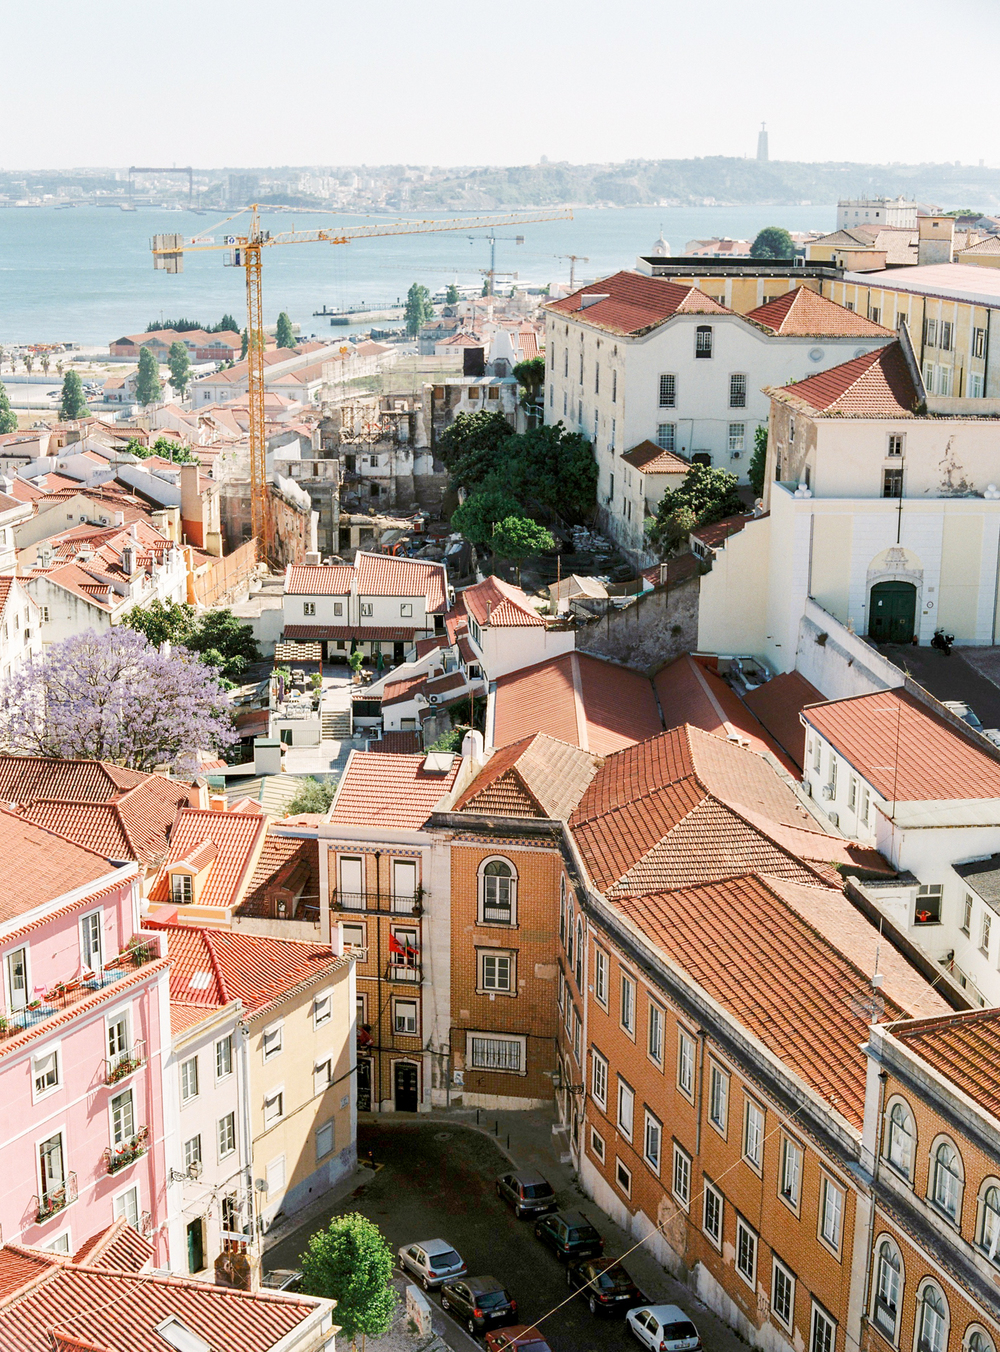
114	696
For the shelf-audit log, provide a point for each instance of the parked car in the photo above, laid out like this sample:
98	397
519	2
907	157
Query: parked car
282	1279
527	1193
569	1235
481	1303
432	1261
516	1338
608	1287
663	1328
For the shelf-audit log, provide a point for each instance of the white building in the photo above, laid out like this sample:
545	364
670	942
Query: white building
632	359
505	632
889	771
20	631
891	211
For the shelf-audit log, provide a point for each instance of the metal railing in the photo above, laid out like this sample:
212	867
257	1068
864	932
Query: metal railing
66	994
59	1196
409	972
126	1152
123	1063
387	902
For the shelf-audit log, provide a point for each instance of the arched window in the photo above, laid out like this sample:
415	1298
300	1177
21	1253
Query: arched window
562	911
946	1179
989	1221
569	934
888	1288
932	1320
497	893
899	1138
978	1341
579	952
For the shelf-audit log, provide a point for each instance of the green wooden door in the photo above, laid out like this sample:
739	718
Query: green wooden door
892	613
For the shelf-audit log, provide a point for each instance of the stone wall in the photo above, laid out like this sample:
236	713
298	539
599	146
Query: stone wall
659	626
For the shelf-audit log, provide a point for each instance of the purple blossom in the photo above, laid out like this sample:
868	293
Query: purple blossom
114	696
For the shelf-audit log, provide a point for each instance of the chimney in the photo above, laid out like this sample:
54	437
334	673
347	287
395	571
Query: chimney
128	560
935	240
119	518
217	802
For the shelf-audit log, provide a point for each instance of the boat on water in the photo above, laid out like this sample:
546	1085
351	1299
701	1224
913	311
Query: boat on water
126	206
65	206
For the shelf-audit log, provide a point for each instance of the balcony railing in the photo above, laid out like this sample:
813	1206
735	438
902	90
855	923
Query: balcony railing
123	1063
65	994
379	901
59	1196
409	972
126	1152
497	915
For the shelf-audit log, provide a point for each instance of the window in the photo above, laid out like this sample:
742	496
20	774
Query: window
626	1102
324	1140
737	391
406	609
737	437
930	332
275	1175
122	1117
833	775
127	1207
989	1223
224	1057
944	341
746	1252
888	1285
984	934
562	911
189	1080
581	368
404	1017
45	1072
181	889
685	1063
614	387
652	1141
308	607
274	1107
892	483
703	341
577	1037
656	1034
831	1212
597	1145
875	314
682	1177
273	1040
753	1135
782	1294
597	377
932	1320
976	1341
946	1179
823	1337
967	915
628	1004
578	970
496	1053
665	436
711	1221
355	935
817	755
863	805
791	1172
623	1177
322	1008
43	613
927	910
227	1135
899	1147
601	976
895	446
718	1098
979	342
192	1151
497	893
90	940
599	1079
791	429
51	1165
367	610
496	971
668	391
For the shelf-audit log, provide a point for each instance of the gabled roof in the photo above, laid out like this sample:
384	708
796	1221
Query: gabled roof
904	750
539	777
804	313
289	863
382	789
238	838
653	459
875	385
963	1048
778	703
718	532
630	303
117	1246
41	866
385	575
497	604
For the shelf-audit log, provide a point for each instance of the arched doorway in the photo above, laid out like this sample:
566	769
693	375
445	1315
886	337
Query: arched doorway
892	612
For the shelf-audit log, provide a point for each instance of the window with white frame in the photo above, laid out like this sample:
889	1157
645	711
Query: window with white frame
496	971
192	1151
322	1008
367	610
685	1063
626	1109
506	1054
831	1212
668	391
753	1134
127	1207
888	1288
737	437
273	1040
601	976
738	390
703	341
623	1177
718	1098
655	1034
597	1144
782	1294
599	1079
932	1320
497	892
666	436
404	1017
894	446
628	1004
577	1037
189	1079
681	1186
946	1179
578	969
274	1106
181	889
406	609
356	936
989	1220
652	1141
900	1138
227	1135
711	1221
823	1334
791	1172
746	1252
45	1072
323	1073
309	608
967	915
90	941
224	1057
984	933
324	1140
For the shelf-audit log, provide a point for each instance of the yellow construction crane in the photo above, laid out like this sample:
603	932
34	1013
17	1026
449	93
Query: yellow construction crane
245	250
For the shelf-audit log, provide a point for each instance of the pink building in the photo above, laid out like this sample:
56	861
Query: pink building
85	1015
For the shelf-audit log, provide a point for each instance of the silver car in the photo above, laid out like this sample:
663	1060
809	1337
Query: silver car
432	1261
663	1328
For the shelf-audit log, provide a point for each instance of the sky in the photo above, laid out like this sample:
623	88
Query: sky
323	82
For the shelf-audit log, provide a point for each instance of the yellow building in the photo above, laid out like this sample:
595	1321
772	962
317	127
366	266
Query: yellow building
741	284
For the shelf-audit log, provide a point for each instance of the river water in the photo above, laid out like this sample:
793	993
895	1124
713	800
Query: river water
86	276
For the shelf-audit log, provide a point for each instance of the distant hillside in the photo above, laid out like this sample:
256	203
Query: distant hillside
716	179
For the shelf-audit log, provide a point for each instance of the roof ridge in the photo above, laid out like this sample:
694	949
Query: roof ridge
216	967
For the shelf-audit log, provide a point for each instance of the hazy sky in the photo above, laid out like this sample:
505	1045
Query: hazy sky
440	82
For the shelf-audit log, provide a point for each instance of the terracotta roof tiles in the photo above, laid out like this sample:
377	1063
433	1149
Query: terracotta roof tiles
963	1048
629	302
380	789
875	385
804	313
238	838
496	603
311	580
539	777
653	459
42	865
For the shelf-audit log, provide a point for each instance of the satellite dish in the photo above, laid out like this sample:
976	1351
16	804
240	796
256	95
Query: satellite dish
260	1184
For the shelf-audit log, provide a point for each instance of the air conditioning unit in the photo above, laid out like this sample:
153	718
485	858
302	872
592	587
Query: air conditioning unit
828	792
807	788
833	818
433	699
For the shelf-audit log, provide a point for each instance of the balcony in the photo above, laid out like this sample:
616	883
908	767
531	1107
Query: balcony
386	902
120	1066
120	1156
56	1199
411	973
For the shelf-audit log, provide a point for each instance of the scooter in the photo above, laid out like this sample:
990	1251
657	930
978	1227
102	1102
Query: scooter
942	641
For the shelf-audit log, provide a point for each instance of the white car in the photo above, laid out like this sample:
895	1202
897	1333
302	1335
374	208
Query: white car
433	1261
663	1328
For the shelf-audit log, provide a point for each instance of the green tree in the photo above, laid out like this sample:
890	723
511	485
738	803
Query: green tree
148	387
351	1263
227	324
46	363
29	361
8	418
452	295
486	287
314	795
518	538
758	461
480	514
552	468
285	336
773	242
530	375
221	633
471	447
244	344
72	404
705	495
418	309
162	621
179	365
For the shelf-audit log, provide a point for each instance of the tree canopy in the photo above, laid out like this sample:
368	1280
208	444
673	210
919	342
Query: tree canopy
227	324
757	468
773	242
706	495
351	1263
8	418
179	365
452	295
418	309
518	537
72	403
170	450
148	387
284	335
314	795
470	447
480	513
215	636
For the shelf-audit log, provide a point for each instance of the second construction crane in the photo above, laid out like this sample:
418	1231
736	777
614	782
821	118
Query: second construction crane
245	250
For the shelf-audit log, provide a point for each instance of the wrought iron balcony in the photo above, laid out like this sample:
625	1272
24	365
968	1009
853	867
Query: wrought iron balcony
122	1064
387	902
126	1152
58	1197
411	973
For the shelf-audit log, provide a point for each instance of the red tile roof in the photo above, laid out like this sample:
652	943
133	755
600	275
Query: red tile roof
964	1048
317	633
385	575
778	703
803	313
310	580
497	604
653	459
390	790
288	863
41	866
632	303
876	385
117	1246
238	838
539	777
719	531
904	750
398	743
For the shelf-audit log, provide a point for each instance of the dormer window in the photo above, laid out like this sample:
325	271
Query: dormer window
181	889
